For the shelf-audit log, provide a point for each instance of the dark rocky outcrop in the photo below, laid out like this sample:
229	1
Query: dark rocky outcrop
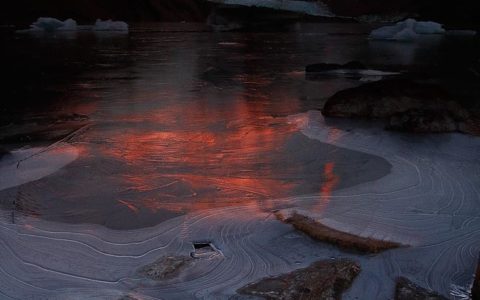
423	121
321	280
4	152
24	12
165	268
347	241
406	105
407	290
254	19
464	13
327	67
476	283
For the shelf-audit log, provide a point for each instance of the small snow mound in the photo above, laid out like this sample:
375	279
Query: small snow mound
407	30
110	25
52	24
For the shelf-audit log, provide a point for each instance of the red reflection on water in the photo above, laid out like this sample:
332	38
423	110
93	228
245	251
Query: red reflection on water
130	206
195	156
330	179
330	182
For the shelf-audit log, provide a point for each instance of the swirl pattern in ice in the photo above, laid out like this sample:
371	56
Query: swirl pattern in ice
430	200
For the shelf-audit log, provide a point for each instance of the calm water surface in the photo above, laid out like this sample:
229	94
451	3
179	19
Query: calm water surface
183	119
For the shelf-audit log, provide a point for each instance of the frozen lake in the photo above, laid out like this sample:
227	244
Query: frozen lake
200	136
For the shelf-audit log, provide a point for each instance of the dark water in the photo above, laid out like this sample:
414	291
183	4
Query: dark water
183	119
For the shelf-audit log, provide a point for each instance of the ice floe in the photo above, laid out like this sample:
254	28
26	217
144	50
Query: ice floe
52	24
110	25
407	30
26	165
45	24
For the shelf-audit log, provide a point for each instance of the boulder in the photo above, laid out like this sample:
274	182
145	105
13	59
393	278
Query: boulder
407	105
423	121
4	152
347	241
165	268
321	280
476	284
407	290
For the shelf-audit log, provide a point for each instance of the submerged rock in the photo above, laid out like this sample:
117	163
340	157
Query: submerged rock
321	280
165	268
326	67
353	69
407	290
423	121
408	105
320	232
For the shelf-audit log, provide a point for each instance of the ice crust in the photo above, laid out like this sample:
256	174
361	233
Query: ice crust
408	30
428	201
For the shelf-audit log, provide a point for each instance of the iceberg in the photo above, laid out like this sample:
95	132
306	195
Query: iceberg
52	24
110	25
407	30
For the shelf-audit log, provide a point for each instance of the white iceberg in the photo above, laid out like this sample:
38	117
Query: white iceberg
407	30
110	25
52	24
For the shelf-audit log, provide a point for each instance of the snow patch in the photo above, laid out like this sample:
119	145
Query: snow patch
408	30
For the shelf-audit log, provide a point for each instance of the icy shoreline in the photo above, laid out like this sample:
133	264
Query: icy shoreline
429	201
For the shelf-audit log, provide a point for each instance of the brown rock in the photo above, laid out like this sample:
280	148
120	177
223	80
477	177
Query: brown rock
320	232
407	290
422	121
165	268
321	280
3	152
408	105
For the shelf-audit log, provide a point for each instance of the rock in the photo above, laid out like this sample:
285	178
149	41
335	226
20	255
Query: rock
4	152
408	105
423	121
165	268
235	17
462	14
325	67
407	290
476	284
471	126
321	232
321	280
